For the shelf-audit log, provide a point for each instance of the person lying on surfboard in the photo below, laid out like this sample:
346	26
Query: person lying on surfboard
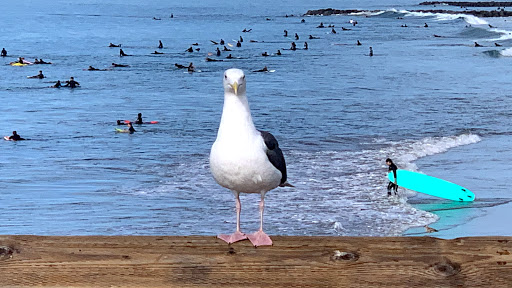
391	185
15	136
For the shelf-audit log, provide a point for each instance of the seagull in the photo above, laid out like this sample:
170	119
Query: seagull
244	159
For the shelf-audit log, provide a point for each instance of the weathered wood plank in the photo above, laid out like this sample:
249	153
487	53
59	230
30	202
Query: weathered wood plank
194	261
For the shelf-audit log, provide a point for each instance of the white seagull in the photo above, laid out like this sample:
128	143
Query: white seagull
244	159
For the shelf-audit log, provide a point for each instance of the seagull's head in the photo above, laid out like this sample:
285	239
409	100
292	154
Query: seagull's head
234	81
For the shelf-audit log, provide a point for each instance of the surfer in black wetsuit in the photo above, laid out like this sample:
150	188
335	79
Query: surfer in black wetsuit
15	136
4	52
391	185
71	83
130	128
139	119
57	85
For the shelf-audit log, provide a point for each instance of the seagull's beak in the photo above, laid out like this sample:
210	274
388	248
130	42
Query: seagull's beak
235	87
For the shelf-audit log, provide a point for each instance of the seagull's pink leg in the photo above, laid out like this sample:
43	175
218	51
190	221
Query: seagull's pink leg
237	236
260	238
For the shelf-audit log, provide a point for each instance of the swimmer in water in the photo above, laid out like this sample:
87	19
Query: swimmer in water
191	68
71	83
139	117
120	65
265	69
3	53
56	85
130	128
160	45
15	136
38	76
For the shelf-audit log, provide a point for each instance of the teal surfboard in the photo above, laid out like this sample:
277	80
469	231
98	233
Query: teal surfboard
431	185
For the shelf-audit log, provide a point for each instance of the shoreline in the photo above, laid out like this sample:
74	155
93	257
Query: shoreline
201	261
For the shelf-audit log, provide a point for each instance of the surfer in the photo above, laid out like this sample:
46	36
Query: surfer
477	45
15	136
285	33
120	122
371	52
160	45
4	52
305	45
71	83
391	185
139	118
226	49
497	45
114	45
222	42
38	76
121	53
130	128
359	43
333	31
313	37
294	46
218	51
120	65
56	85
278	52
321	25
179	66
296	36
156	52
265	69
190	49
92	69
239	44
229	56
264	54
191	68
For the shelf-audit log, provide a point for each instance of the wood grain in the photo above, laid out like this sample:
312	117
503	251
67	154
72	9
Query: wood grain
198	261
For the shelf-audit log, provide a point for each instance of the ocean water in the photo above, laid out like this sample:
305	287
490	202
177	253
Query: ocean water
337	113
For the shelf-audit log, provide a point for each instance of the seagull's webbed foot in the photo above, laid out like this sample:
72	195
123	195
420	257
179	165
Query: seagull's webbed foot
235	237
260	238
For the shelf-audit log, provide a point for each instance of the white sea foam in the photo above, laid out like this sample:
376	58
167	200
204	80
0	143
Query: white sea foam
336	192
506	35
507	52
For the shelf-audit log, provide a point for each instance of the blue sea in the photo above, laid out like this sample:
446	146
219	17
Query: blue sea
437	105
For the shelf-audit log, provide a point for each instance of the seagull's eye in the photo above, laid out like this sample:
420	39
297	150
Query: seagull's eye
243	77
225	76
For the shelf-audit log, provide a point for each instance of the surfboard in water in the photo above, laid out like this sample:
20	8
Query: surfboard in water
431	185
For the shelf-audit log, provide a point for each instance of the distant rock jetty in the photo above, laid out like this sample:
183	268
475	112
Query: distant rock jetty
469	4
494	13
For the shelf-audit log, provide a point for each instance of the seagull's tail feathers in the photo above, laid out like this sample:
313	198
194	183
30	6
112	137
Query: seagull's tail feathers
286	184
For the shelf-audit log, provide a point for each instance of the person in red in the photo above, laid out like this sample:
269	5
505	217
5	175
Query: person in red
392	185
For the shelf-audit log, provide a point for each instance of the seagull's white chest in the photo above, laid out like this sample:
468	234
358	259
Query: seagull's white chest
241	164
